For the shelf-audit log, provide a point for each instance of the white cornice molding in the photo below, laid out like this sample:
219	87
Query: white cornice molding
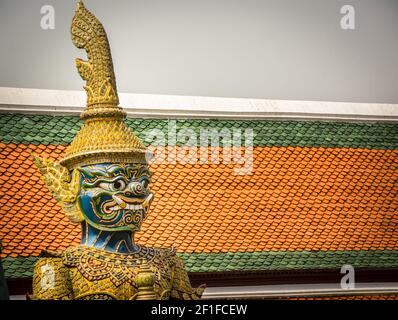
62	102
298	290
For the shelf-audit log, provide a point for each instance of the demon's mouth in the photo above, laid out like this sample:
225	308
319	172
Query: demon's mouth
123	203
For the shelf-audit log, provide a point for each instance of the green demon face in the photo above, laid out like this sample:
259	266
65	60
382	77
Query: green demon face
115	197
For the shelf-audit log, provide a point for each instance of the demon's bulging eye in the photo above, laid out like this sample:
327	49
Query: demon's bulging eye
114	186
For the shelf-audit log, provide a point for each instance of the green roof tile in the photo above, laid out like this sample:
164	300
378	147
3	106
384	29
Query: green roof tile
22	267
44	129
18	267
288	260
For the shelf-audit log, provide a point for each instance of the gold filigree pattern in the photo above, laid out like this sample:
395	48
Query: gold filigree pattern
95	264
104	140
51	280
63	186
88	33
88	273
104	136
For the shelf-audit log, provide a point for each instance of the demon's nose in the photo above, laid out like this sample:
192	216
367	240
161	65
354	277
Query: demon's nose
128	193
134	189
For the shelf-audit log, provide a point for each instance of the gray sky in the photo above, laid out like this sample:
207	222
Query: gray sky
276	49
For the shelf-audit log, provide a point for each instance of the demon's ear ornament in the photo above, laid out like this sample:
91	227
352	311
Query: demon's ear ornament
64	186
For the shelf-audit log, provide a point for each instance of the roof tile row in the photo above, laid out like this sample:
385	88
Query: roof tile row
49	130
286	203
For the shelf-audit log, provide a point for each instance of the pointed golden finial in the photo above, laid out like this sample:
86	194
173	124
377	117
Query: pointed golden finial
145	280
104	136
89	34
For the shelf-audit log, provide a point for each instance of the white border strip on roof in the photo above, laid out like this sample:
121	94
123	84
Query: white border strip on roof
63	102
298	290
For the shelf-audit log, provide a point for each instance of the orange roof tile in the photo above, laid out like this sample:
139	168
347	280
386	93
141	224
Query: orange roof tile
297	198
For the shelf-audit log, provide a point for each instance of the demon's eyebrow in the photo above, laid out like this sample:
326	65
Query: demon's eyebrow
92	172
115	168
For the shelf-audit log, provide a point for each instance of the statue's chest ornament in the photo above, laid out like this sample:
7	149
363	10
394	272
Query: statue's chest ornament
95	264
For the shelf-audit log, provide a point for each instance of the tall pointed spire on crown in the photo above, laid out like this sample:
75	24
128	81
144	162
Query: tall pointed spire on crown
89	34
104	136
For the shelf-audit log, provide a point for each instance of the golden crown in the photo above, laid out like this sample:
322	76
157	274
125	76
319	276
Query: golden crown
104	136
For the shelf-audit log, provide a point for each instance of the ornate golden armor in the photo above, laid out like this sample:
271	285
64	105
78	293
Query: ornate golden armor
103	183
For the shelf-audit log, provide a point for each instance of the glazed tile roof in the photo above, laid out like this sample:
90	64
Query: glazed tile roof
18	267
21	267
308	205
17	128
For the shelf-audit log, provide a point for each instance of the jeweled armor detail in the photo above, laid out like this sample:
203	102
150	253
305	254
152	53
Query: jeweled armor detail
83	272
